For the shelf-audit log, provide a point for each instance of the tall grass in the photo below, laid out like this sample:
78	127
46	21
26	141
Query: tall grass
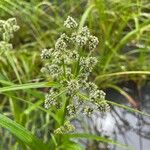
123	28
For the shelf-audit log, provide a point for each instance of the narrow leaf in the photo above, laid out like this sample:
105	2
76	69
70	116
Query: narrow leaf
27	86
128	108
119	105
22	134
97	138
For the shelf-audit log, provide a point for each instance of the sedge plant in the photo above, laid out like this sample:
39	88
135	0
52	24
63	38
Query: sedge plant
69	65
7	29
72	93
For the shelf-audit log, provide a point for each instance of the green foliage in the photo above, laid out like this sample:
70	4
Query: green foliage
94	137
21	133
123	31
122	27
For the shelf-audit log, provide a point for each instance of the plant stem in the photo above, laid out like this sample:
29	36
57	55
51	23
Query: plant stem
77	68
63	119
65	110
64	69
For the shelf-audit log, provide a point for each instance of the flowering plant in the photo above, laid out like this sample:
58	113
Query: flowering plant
69	65
7	28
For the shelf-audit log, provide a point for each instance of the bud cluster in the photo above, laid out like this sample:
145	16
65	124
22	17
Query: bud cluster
7	29
67	127
50	98
67	65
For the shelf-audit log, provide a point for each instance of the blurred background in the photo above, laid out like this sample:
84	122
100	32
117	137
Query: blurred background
123	71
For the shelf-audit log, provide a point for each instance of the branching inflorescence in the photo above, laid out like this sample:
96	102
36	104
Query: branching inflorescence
7	29
68	64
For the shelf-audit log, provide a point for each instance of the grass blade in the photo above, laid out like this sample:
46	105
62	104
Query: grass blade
122	74
97	138
128	108
84	16
125	94
22	134
118	105
27	86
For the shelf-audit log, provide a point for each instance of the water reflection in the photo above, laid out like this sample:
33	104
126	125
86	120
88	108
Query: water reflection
123	126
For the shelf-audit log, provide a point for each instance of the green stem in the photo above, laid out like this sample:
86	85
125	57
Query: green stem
63	119
65	110
77	68
64	69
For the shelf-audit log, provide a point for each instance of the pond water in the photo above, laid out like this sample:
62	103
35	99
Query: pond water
121	125
128	128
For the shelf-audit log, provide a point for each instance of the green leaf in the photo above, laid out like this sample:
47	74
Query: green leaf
119	105
72	146
22	134
128	108
84	16
27	86
34	105
121	74
97	138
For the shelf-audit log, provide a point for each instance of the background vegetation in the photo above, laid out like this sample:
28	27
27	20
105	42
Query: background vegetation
123	29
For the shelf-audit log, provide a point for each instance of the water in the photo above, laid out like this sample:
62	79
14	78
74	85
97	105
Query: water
120	125
128	128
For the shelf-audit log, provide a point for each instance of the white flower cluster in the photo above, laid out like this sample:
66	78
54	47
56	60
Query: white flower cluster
50	98
7	29
70	23
87	63
67	127
68	65
54	70
84	38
